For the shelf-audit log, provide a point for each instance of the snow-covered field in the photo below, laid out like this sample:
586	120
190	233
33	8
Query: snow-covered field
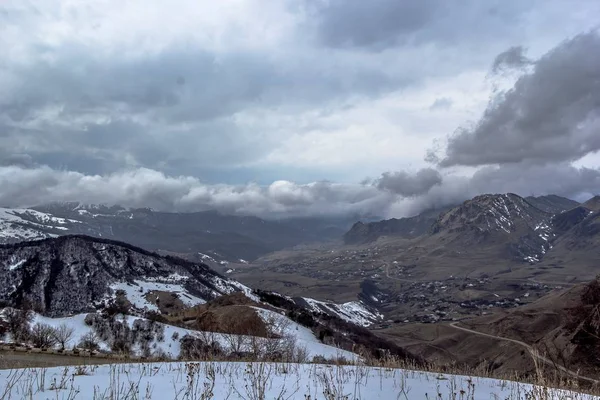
227	380
172	335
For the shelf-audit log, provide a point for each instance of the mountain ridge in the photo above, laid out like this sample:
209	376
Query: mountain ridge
227	237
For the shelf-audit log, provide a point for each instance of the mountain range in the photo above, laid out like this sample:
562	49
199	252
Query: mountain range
418	225
222	237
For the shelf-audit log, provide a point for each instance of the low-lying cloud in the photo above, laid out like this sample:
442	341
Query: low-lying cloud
409	185
393	194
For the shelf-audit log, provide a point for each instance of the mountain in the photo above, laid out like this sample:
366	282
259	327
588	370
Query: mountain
520	230
68	275
362	233
495	251
74	274
592	204
223	237
552	203
411	227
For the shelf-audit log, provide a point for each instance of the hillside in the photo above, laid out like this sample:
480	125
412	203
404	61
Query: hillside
552	203
562	326
224	380
411	227
74	274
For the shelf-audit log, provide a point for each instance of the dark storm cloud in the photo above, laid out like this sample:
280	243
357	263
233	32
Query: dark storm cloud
380	24
176	107
409	185
513	58
550	115
526	180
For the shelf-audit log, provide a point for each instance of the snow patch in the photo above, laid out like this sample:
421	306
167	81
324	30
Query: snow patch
136	293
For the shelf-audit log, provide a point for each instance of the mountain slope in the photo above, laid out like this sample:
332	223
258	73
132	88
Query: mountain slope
411	227
552	204
556	325
517	229
74	274
563	325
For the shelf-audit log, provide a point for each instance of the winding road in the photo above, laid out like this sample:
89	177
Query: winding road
529	348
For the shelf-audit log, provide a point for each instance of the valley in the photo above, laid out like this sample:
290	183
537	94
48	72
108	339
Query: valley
480	288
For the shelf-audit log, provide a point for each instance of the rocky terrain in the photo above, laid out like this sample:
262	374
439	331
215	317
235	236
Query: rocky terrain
420	224
74	274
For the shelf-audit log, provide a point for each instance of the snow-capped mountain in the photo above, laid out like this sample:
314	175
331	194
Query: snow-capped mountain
27	224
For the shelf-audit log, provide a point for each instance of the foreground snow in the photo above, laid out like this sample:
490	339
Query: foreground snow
214	380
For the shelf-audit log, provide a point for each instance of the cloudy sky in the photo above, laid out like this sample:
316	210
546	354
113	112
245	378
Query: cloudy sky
297	107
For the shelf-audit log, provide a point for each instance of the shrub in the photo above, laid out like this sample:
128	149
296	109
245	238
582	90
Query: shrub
43	336
89	342
155	316
196	349
18	324
161	355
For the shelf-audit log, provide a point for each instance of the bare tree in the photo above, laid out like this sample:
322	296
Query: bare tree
63	335
18	323
235	343
89	342
43	336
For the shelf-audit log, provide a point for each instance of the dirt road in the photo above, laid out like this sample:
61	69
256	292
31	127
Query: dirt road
531	351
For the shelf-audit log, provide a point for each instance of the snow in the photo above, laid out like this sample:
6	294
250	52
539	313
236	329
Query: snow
16	265
136	293
206	257
232	380
14	225
247	291
304	336
353	311
283	326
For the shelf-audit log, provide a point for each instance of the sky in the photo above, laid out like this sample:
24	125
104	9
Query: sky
297	107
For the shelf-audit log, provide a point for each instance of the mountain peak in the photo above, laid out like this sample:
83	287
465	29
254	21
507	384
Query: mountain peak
489	213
